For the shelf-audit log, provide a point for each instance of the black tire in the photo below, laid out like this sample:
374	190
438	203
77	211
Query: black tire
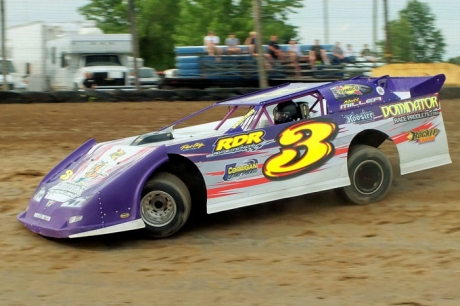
370	173
165	205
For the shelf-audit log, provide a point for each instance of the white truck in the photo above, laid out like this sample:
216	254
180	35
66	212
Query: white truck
14	80
60	56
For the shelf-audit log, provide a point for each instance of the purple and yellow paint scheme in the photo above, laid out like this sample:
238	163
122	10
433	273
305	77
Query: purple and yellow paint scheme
246	160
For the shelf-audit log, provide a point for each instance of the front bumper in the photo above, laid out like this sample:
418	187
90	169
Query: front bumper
45	229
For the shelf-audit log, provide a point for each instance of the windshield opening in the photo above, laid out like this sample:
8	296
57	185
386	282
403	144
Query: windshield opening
102	60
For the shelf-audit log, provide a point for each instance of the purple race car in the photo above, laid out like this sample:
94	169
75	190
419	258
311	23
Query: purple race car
294	139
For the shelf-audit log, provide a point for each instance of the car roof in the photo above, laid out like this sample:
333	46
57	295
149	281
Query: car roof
274	94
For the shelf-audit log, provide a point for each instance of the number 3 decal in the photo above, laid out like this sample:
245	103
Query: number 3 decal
305	146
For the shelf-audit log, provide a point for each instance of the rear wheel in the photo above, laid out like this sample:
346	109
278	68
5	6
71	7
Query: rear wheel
370	175
165	205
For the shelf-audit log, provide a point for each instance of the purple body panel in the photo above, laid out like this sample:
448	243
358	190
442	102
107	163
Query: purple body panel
111	201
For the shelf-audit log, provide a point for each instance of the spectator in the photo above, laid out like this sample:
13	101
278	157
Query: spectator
274	49
251	42
367	54
349	55
232	44
337	54
210	42
295	54
317	53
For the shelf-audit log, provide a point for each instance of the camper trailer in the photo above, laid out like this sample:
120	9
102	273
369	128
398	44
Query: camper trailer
61	56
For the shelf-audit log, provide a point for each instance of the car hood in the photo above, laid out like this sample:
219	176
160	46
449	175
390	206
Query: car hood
96	186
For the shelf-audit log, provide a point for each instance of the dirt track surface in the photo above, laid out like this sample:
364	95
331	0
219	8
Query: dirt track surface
310	250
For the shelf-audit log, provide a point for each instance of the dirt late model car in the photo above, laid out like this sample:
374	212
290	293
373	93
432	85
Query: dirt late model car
288	141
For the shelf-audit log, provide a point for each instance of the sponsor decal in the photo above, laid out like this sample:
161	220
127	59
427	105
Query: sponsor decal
252	141
357	102
425	107
66	175
359	117
252	111
380	90
117	154
342	92
375	99
97	171
75	219
188	147
423	136
75	203
235	171
64	191
49	203
304	146
42	216
124	215
40	194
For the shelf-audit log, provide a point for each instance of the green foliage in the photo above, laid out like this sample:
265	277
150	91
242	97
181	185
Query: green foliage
414	37
455	60
111	15
155	28
225	16
163	24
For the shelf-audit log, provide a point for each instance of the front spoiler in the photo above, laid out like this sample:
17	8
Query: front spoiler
38	226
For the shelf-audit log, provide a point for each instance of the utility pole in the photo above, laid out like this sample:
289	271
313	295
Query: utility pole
4	61
263	82
326	22
374	26
132	21
387	33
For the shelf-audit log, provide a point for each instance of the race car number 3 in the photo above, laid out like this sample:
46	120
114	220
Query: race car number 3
304	147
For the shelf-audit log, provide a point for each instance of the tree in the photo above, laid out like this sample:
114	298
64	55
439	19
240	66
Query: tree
455	60
155	26
225	16
164	24
414	37
111	15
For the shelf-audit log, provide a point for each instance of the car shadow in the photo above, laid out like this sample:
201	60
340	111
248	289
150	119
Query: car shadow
308	206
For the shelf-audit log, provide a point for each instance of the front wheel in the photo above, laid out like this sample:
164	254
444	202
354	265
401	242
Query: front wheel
165	205
370	175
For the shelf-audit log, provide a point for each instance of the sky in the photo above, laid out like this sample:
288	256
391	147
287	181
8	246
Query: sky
349	21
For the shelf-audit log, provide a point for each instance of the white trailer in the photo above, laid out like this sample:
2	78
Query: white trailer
60	56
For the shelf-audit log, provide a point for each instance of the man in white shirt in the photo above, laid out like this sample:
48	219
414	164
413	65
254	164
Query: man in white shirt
210	42
296	55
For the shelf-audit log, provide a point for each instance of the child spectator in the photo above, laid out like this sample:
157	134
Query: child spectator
232	44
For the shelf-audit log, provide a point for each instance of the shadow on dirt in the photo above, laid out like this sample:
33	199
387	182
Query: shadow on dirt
311	206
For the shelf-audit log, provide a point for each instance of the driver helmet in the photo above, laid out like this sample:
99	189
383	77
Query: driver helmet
285	112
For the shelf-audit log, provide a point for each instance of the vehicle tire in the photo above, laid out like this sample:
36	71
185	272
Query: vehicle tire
165	205
370	175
